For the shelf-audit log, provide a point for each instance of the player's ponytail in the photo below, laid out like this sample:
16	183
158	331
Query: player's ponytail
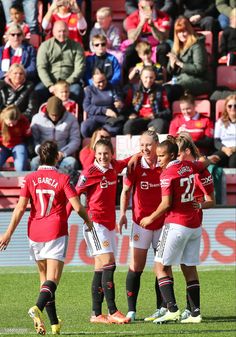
184	141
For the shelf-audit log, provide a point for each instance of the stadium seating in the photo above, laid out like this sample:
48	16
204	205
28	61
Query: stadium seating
118	8
226	77
10	183
219	108
208	41
230	180
202	106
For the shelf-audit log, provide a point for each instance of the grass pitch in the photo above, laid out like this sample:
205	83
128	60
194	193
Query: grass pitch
20	286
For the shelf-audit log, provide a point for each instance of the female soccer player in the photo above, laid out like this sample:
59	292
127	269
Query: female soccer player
48	191
99	183
180	239
144	182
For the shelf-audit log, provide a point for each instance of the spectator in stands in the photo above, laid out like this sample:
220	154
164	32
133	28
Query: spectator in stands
148	24
198	126
103	104
105	26
149	105
30	9
228	42
15	129
60	58
16	50
61	126
15	89
69	12
225	134
62	91
144	50
17	17
167	6
187	62
201	13
87	153
103	60
224	7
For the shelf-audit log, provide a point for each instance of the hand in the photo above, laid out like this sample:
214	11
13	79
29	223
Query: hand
172	58
110	113
132	116
51	89
228	151
118	104
122	222
195	18
133	161
145	221
89	224
4	241
60	155
196	205
213	158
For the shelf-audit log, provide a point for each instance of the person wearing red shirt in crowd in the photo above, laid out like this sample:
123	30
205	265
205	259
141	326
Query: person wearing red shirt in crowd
180	238
149	24
69	12
144	183
198	126
14	132
149	107
87	153
99	182
48	191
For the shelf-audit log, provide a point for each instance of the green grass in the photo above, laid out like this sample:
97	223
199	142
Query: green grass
19	289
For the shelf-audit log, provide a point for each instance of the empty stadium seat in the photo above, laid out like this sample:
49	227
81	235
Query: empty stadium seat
10	183
226	77
230	179
219	108
202	106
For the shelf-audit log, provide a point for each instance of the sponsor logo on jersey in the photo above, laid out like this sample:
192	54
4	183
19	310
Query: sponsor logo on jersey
165	182
106	244
207	180
145	185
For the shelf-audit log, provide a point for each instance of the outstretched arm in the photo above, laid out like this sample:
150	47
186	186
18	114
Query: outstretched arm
161	209
15	220
79	208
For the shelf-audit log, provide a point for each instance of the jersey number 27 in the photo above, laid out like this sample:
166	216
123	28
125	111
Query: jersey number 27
189	184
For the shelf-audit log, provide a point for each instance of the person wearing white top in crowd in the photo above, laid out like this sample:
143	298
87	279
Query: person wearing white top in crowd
225	134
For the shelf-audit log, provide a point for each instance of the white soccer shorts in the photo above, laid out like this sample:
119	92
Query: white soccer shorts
143	238
179	245
100	240
54	249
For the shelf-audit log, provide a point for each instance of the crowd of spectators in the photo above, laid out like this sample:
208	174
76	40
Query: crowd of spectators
124	82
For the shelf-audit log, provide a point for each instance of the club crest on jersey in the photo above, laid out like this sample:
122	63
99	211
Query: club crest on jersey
82	180
136	237
106	244
104	183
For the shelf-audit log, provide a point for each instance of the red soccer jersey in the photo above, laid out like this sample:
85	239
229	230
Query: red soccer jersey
100	184
146	192
198	128
18	133
48	191
161	21
178	180
71	21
